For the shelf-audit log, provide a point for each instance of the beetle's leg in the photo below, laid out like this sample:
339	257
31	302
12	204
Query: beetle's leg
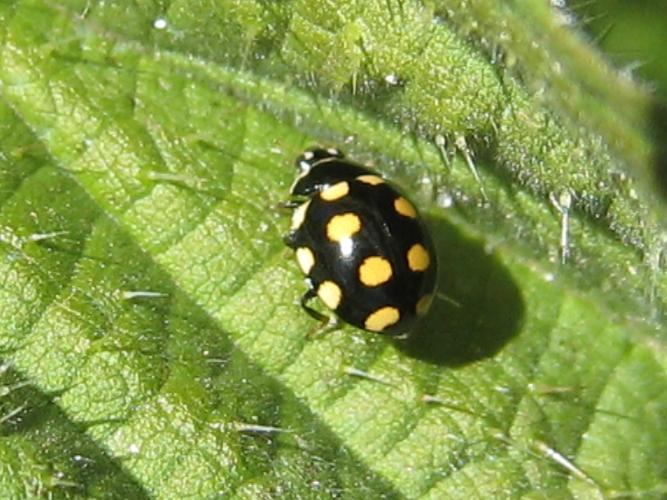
321	329
307	297
290	240
291	203
325	324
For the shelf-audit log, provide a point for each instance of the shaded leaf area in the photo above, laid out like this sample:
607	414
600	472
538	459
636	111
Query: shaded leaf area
148	302
634	40
43	452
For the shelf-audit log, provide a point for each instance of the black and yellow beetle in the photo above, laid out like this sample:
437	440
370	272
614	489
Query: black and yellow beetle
361	244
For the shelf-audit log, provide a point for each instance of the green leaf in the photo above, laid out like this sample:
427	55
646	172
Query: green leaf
151	336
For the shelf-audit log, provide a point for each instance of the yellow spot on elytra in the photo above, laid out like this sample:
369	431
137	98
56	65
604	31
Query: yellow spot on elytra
305	259
382	318
299	215
373	180
343	226
330	293
335	192
424	304
374	271
418	258
404	207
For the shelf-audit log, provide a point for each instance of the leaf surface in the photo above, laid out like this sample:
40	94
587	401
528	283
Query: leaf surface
152	341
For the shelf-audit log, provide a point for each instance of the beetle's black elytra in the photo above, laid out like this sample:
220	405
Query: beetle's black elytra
361	244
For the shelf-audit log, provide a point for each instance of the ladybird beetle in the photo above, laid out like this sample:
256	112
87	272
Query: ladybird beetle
361	244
